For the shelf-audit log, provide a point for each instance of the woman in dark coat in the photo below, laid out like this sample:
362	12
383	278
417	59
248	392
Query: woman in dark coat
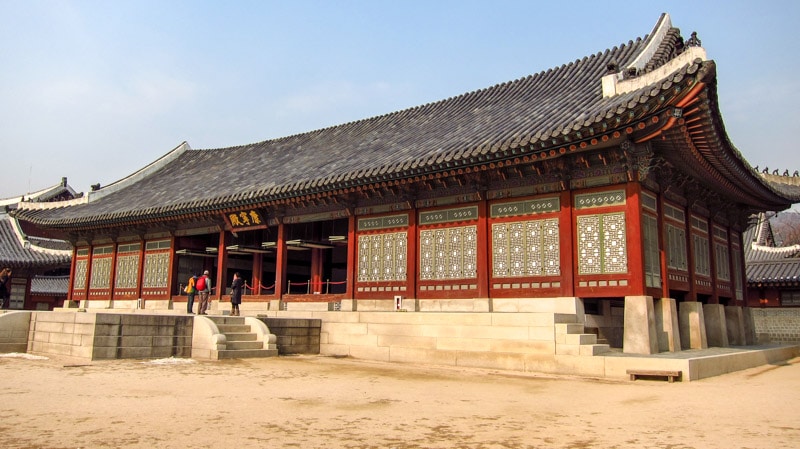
236	294
5	287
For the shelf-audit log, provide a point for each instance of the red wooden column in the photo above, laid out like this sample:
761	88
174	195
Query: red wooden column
690	258
89	268
712	256
280	261
72	264
412	258
258	267
483	249
140	273
567	227
222	265
316	271
173	267
112	281
741	273
351	257
633	218
662	252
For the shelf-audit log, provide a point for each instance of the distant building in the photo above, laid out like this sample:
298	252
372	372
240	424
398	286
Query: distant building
773	271
40	265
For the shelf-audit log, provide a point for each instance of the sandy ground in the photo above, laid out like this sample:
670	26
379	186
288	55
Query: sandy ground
321	402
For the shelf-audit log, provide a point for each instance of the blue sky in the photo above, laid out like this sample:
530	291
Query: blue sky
95	90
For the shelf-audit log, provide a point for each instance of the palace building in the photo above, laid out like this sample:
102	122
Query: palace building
39	266
601	198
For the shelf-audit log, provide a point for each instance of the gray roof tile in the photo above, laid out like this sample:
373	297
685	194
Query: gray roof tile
14	255
544	107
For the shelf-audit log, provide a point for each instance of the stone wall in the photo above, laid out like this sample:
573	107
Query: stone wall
295	335
780	325
98	336
520	335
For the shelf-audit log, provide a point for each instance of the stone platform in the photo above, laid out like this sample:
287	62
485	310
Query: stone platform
696	364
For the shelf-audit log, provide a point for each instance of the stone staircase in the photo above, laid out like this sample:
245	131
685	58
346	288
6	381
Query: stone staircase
596	331
235	338
572	339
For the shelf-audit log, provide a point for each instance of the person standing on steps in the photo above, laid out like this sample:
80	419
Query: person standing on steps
236	294
203	286
191	291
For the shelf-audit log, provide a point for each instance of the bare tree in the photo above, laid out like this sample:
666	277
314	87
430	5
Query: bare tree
786	226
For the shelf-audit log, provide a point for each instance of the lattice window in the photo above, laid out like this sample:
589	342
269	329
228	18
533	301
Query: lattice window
614	244
652	259
551	257
589	245
702	262
382	257
790	297
676	248
602	246
127	271
449	253
156	270
528	248
723	261
101	273
375	258
737	275
81	267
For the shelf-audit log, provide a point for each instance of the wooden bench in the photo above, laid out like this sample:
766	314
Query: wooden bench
670	375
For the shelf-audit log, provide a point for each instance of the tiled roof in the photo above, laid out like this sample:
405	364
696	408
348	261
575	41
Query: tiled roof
782	272
56	192
766	264
541	112
14	254
50	285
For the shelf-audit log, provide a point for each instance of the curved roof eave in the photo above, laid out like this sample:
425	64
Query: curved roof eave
541	112
712	157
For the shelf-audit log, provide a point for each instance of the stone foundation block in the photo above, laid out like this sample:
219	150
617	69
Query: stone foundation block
716	329
692	325
640	326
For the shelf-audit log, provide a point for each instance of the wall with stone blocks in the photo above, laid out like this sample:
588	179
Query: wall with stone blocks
522	340
97	336
295	335
780	325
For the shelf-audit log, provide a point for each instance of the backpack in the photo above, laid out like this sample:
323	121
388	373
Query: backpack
190	286
201	283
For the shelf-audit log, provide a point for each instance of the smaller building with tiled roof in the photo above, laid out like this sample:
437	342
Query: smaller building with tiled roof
773	271
39	265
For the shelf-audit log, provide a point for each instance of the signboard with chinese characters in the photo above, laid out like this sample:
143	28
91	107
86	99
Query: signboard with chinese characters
245	219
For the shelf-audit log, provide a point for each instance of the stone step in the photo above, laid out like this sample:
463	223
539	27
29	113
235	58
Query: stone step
596	349
569	328
241	336
240	345
226	319
246	353
234	328
581	339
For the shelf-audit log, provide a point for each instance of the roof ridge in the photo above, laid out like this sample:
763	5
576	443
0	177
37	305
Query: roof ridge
542	73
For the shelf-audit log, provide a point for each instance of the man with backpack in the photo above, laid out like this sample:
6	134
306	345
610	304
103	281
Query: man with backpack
191	290
203	286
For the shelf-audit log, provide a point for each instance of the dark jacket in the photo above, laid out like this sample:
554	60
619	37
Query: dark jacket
236	293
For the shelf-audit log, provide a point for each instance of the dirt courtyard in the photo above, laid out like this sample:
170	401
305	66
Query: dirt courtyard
320	402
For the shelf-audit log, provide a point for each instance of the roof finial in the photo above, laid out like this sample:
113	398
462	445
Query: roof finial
694	41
